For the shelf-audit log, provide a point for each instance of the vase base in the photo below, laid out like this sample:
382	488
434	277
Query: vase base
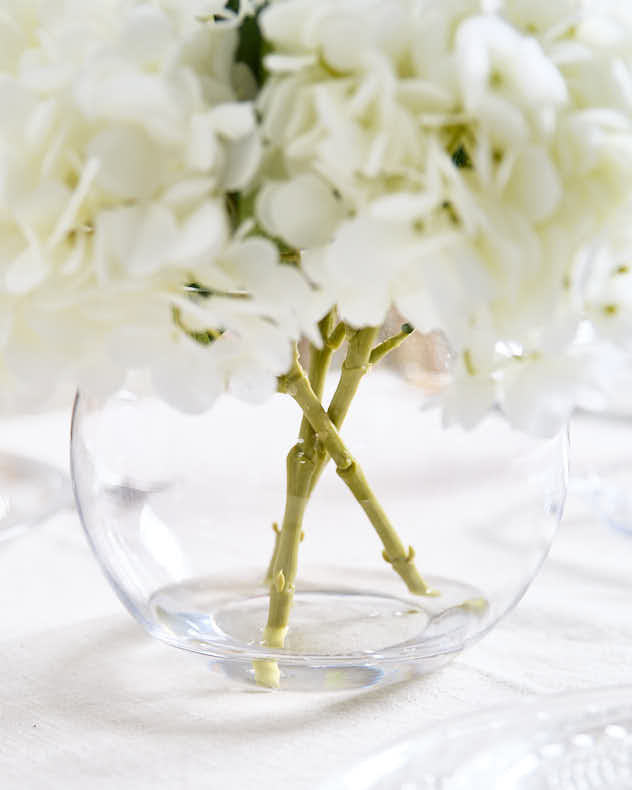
327	677
338	639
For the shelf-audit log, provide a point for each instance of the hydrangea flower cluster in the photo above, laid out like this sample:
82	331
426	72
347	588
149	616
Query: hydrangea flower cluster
469	162
191	185
123	128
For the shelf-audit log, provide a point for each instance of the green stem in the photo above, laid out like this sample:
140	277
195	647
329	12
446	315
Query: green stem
320	360
360	357
319	440
299	473
337	337
283	567
379	352
296	384
354	368
277	539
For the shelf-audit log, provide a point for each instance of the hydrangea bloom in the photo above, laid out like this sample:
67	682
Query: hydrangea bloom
468	161
121	132
463	157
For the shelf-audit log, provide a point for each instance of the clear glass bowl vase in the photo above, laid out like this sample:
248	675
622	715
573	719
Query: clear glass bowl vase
179	511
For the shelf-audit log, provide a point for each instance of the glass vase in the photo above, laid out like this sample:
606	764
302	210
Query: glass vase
180	509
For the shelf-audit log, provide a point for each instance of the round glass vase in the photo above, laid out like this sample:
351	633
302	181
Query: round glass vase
179	511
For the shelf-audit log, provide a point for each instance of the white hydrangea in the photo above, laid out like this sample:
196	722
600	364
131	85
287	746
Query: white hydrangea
602	283
121	133
468	161
460	157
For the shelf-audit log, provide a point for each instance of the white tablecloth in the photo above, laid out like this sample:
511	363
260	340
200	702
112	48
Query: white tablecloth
88	700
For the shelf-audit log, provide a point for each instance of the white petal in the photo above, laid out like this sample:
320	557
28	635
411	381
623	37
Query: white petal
252	385
185	195
204	233
535	184
243	160
154	236
303	211
204	148
68	218
27	271
147	36
233	120
130	162
289	63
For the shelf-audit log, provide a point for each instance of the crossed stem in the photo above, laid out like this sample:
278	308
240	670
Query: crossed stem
319	441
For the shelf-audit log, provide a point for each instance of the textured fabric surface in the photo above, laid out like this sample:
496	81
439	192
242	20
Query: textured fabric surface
88	700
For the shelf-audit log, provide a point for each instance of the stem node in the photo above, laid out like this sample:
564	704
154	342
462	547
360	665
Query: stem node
279	582
348	471
360	369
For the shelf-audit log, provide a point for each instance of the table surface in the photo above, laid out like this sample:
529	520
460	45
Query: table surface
88	700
